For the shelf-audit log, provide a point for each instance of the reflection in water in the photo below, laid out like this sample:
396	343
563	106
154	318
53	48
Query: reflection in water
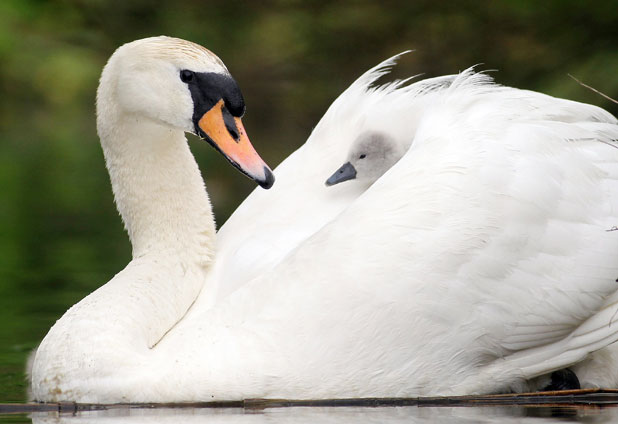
408	415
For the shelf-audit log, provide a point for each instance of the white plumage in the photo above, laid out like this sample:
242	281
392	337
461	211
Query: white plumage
481	260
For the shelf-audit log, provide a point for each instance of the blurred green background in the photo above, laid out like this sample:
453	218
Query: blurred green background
60	235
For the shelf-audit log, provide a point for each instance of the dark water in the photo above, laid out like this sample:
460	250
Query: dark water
409	415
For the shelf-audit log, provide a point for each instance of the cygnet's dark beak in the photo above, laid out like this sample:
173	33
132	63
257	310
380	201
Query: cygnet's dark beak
345	173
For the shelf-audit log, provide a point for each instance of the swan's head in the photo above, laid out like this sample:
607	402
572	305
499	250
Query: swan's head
370	156
184	86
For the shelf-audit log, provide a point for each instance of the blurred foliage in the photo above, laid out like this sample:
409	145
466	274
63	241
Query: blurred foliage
60	235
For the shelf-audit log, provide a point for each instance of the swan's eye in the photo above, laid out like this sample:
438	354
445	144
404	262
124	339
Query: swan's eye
186	76
363	156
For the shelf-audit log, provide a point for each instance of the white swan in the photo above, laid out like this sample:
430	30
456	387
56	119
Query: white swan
480	260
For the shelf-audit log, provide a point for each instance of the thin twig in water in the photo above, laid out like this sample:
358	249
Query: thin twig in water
593	89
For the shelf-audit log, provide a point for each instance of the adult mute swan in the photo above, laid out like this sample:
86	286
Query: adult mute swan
480	260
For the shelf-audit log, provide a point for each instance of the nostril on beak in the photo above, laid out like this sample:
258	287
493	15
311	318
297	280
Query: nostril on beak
230	125
233	132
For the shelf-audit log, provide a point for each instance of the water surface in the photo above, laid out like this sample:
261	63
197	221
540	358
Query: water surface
408	415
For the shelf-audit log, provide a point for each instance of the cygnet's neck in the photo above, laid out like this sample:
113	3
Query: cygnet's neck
158	189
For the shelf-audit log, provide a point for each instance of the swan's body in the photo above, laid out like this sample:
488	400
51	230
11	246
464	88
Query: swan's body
479	261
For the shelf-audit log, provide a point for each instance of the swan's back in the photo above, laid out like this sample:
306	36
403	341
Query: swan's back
490	239
299	204
483	258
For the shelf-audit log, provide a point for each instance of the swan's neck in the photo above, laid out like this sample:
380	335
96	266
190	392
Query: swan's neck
161	197
159	191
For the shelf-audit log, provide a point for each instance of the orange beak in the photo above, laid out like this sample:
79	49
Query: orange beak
227	134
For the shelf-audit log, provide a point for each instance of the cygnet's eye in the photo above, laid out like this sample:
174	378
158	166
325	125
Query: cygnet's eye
363	156
186	76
